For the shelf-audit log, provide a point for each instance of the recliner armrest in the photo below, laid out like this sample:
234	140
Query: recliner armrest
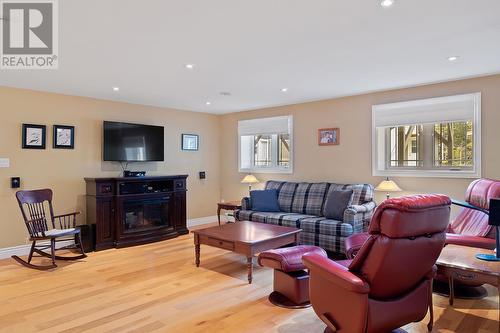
472	241
335	273
354	243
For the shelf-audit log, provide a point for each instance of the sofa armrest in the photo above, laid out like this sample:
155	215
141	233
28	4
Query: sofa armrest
335	273
246	204
359	216
472	241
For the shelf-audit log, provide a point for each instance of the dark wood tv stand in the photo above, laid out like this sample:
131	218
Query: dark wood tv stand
136	210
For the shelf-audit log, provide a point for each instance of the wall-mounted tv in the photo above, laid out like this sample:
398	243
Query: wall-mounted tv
125	142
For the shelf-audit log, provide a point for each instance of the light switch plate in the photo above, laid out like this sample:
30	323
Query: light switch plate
4	162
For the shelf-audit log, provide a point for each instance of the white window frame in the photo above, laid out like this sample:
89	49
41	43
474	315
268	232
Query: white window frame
268	169
426	105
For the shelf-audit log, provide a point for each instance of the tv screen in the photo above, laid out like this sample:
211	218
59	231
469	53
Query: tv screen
133	142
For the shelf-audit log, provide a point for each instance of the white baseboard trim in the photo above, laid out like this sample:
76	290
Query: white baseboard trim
201	220
24	250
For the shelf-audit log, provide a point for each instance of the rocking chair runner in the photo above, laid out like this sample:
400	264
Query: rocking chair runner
32	205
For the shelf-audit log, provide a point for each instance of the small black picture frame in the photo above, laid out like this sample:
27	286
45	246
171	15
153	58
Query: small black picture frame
190	142
63	137
34	136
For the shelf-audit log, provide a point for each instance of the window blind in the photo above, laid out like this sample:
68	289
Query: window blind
426	111
272	125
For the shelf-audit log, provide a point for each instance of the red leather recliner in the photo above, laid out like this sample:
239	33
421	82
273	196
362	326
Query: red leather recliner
389	282
470	227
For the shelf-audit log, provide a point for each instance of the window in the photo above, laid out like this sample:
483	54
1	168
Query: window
404	146
265	145
437	137
453	144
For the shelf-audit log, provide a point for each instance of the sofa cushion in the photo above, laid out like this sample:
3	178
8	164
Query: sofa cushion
251	215
336	203
324	226
361	193
309	198
286	191
287	220
265	200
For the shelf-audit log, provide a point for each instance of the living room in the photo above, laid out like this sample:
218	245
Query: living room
391	105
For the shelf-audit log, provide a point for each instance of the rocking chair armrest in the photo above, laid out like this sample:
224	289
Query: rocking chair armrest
66	220
66	215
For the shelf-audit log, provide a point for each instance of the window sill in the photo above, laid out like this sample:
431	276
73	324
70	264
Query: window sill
267	170
428	173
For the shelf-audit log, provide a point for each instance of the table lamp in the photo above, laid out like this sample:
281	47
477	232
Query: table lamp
249	179
388	186
494	220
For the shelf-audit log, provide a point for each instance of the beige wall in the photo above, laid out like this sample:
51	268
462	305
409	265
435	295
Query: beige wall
351	160
64	170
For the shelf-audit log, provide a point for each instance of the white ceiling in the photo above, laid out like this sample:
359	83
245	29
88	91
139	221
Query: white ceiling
318	49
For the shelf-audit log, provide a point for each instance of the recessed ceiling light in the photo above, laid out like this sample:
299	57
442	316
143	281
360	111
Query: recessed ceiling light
453	58
225	93
284	89
387	3
189	66
208	103
116	88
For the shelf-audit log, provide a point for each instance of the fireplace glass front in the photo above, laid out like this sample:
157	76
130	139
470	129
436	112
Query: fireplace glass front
145	214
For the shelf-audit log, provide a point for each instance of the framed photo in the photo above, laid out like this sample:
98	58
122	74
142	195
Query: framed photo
34	136
329	136
63	137
190	141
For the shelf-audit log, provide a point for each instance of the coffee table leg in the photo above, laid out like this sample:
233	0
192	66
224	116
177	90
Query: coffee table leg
452	290
218	214
197	253
249	268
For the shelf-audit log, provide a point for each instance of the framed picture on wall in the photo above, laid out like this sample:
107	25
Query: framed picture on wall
190	141
63	137
329	136
33	136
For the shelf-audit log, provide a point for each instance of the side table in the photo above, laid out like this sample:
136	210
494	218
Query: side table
460	263
229	205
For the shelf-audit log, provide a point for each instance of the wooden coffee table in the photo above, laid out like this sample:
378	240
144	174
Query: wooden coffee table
460	263
246	238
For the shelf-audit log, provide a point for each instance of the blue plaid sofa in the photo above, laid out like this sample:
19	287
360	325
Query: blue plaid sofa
301	206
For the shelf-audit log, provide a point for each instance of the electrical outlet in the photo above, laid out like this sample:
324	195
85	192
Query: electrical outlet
15	182
4	162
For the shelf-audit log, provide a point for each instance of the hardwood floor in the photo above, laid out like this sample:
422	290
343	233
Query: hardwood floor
157	288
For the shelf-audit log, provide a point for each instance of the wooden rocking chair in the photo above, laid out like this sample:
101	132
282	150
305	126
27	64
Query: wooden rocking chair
32	205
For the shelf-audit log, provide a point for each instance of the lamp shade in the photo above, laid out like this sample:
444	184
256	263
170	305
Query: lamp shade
249	179
388	186
494	218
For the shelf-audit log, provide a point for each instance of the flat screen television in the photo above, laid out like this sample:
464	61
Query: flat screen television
125	142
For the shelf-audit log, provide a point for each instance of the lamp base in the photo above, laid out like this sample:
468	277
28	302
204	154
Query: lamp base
487	257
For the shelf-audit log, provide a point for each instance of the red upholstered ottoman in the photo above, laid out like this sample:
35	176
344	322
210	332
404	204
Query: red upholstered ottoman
291	280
